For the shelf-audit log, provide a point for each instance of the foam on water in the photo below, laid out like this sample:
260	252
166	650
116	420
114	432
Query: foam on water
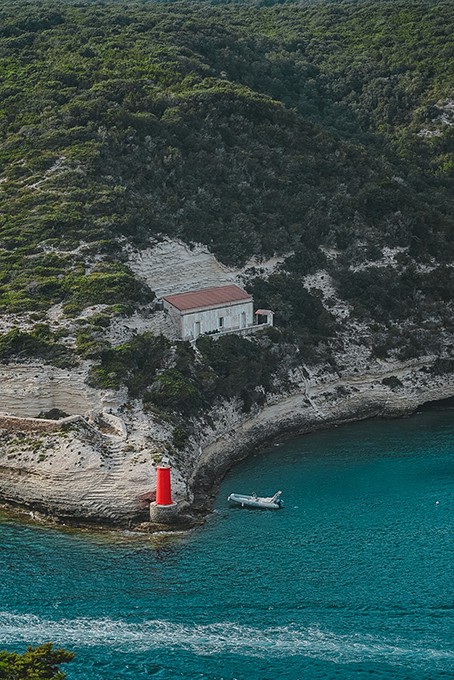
212	639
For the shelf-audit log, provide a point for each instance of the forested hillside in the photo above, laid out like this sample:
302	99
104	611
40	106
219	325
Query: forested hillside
320	129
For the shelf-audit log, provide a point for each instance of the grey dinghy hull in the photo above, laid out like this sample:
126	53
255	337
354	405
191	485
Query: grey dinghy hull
243	501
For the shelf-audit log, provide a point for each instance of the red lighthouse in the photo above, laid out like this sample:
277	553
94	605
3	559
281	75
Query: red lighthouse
163	510
163	485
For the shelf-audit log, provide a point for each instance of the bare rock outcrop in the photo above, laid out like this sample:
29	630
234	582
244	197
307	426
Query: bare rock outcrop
29	389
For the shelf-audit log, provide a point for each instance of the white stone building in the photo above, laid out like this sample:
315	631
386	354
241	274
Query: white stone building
221	310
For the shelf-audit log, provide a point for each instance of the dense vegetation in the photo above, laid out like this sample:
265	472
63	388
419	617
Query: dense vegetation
39	342
255	128
39	663
174	379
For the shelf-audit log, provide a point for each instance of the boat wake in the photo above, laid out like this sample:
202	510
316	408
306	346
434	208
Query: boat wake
215	639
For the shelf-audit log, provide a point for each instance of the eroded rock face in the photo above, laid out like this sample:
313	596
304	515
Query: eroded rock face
93	468
30	389
73	471
172	266
86	466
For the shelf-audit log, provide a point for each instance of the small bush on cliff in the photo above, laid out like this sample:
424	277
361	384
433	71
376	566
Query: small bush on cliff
443	366
175	391
392	382
90	343
108	283
133	364
180	437
38	343
238	367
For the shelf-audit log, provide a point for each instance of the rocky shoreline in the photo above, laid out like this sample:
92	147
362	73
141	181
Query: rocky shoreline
100	472
289	419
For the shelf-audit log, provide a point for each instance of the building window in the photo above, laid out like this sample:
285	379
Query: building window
221	322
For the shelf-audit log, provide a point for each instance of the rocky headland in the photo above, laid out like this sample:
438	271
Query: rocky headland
90	458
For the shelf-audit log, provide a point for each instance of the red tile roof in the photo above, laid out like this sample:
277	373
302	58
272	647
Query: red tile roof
208	297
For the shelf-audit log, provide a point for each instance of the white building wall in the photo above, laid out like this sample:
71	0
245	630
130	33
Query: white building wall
203	321
175	315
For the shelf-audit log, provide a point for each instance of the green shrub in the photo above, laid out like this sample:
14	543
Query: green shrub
235	367
173	390
36	663
109	284
89	345
180	437
133	364
393	382
39	343
443	366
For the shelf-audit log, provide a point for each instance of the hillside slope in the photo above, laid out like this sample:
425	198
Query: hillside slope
304	151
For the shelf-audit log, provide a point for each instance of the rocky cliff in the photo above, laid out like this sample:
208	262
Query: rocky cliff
92	457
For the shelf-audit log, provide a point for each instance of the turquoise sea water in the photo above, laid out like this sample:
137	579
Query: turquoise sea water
353	579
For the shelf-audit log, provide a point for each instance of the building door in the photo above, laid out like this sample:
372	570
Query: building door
243	320
197	329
